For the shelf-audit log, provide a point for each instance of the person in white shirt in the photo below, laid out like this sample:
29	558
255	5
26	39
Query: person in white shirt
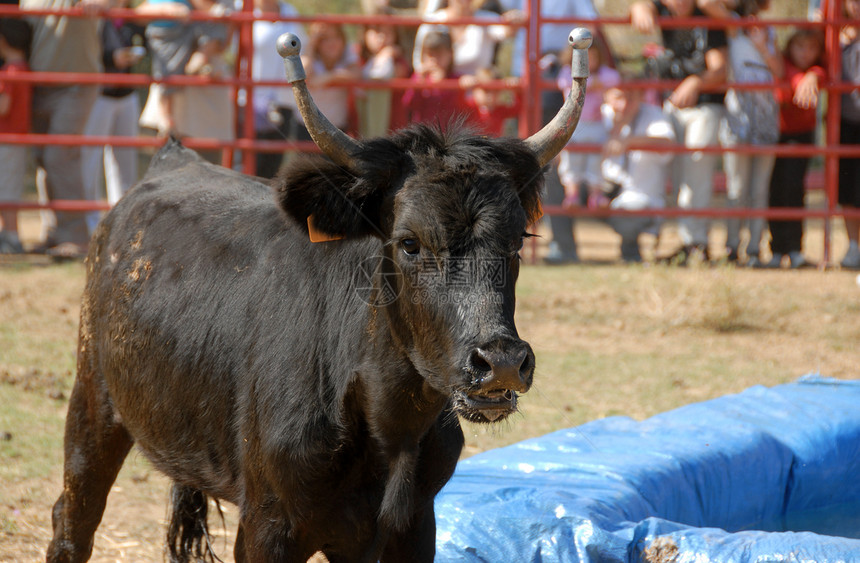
553	36
474	45
274	106
639	176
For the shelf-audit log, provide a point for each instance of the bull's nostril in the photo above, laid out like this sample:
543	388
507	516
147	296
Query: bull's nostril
527	364
479	362
502	366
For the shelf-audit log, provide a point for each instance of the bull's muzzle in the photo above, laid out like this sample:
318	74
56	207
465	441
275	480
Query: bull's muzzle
498	371
503	366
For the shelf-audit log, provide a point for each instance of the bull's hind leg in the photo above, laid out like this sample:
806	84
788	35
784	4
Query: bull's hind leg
96	443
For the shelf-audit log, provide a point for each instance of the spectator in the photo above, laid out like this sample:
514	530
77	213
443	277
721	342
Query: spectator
752	117
434	105
274	107
382	58
115	112
208	110
553	37
64	44
553	40
489	109
580	172
698	58
849	168
171	44
474	45
804	70
326	60
15	100
638	176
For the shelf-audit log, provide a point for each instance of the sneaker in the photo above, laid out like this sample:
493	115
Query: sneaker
555	257
775	262
797	260
67	251
10	243
851	261
755	262
630	251
691	253
731	255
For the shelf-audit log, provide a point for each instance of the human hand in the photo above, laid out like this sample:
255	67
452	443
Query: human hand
758	36
806	94
124	57
93	7
643	17
514	17
686	94
614	147
468	81
571	196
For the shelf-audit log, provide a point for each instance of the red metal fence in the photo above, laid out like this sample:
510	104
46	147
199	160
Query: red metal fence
529	86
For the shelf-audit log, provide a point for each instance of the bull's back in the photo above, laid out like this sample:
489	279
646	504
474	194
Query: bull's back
167	312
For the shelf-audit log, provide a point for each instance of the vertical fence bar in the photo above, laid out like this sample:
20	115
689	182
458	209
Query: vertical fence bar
244	66
832	11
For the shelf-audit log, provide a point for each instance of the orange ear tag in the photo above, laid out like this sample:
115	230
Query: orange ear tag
318	236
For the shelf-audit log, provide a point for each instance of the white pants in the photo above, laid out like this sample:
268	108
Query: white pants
631	227
110	117
747	185
576	167
693	173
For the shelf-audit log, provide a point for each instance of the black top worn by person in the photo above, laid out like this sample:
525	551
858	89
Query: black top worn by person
685	50
116	35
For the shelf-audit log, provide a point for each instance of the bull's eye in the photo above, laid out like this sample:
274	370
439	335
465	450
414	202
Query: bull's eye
410	246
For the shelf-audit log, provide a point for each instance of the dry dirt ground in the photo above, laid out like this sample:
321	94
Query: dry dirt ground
610	339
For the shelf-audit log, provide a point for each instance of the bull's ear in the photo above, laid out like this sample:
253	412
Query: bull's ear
527	174
342	203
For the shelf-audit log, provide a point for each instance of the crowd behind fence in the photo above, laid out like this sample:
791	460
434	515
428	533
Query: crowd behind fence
239	151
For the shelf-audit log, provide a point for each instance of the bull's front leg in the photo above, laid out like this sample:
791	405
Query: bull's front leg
265	536
437	458
416	543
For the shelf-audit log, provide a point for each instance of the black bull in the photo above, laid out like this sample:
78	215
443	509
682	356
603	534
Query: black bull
258	367
315	385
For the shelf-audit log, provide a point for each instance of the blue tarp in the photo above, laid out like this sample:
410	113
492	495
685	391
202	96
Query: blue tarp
770	474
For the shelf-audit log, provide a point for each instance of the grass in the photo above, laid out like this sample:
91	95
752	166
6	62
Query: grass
610	341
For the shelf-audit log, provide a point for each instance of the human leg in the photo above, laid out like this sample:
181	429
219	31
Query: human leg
121	169
737	167
759	185
66	110
700	126
787	190
93	156
13	164
849	192
563	243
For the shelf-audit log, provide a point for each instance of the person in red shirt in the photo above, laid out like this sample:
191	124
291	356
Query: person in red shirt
804	70
434	105
489	109
15	97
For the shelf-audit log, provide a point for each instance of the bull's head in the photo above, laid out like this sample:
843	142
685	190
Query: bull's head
452	210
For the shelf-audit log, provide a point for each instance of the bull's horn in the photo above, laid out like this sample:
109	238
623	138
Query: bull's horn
339	146
550	140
